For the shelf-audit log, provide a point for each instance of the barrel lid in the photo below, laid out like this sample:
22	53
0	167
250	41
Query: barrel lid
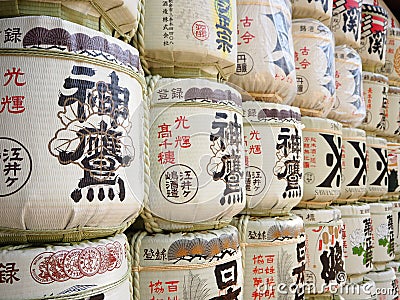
348	54
321	123
201	90
356	210
264	112
299	27
274	228
374	9
394	90
374	77
351	132
376	141
382	276
319	216
380	207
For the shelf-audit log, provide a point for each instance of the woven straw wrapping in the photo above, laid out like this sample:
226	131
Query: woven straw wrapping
204	264
349	107
318	9
392	129
273	244
76	131
196	155
274	158
265	61
183	40
315	67
385	280
118	18
67	270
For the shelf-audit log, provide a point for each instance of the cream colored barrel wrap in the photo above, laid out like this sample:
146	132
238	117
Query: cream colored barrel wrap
182	39
377	168
393	113
357	238
265	60
382	230
374	23
72	138
364	290
116	17
197	155
274	254
322	142
349	107
396	227
385	282
354	165
393	171
346	22
395	266
375	91
66	270
317	9
392	64
274	157
200	265
326	296
325	265
315	67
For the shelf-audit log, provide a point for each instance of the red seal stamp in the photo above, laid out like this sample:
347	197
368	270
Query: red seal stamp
39	270
71	264
112	256
103	259
200	30
55	266
89	261
119	254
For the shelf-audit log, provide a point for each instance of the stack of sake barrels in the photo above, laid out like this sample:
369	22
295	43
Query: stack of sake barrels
71	148
185	247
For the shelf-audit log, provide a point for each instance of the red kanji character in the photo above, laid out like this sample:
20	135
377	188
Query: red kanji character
183	141
18	105
296	56
181	121
166	157
256	295
270	258
305	63
14	74
258	259
254	134
165	143
257	281
255	149
5	102
304	51
172	286
156	287
247	37
164	132
246	21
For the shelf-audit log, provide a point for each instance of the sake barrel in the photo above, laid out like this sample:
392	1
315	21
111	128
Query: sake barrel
393	113
385	281
325	265
364	290
354	165
392	63
377	168
183	38
118	18
322	142
396	228
375	91
91	268
395	266
72	139
315	67
274	254
374	21
318	9
200	265
346	22
197	156
393	171
357	238
349	107
274	157
382	230
265	60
